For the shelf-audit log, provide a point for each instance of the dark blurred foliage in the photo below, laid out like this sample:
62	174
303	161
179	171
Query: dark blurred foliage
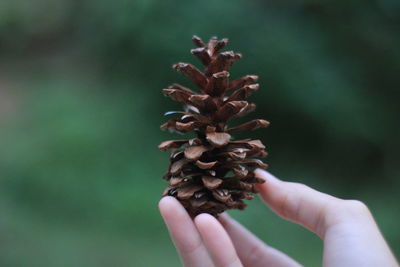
81	105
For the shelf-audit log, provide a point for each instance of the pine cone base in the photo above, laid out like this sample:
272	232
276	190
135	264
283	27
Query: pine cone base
212	172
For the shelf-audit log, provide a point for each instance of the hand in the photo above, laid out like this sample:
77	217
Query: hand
350	234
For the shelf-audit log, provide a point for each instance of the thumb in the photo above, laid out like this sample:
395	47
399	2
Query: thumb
297	202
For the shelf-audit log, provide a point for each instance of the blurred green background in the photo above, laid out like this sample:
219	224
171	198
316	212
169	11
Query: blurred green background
81	105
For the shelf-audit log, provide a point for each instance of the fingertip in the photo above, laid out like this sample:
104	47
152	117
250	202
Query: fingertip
266	176
165	203
217	240
206	222
170	206
203	220
183	232
260	172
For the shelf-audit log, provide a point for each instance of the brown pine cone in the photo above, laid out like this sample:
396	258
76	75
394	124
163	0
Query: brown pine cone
212	172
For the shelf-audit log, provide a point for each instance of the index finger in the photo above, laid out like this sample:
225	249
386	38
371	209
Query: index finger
184	234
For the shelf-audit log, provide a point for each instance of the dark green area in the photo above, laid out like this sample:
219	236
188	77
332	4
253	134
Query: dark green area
81	105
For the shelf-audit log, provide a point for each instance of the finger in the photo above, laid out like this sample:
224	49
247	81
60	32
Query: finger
251	250
217	241
184	234
347	227
296	202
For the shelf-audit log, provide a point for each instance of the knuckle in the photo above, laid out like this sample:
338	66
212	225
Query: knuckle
282	208
290	207
354	208
355	205
254	255
343	211
191	248
298	185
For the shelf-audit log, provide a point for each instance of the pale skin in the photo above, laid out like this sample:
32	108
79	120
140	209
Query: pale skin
347	228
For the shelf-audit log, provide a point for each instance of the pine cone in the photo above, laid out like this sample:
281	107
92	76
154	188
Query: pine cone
212	172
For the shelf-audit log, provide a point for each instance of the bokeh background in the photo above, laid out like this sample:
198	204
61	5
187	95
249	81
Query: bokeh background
81	105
